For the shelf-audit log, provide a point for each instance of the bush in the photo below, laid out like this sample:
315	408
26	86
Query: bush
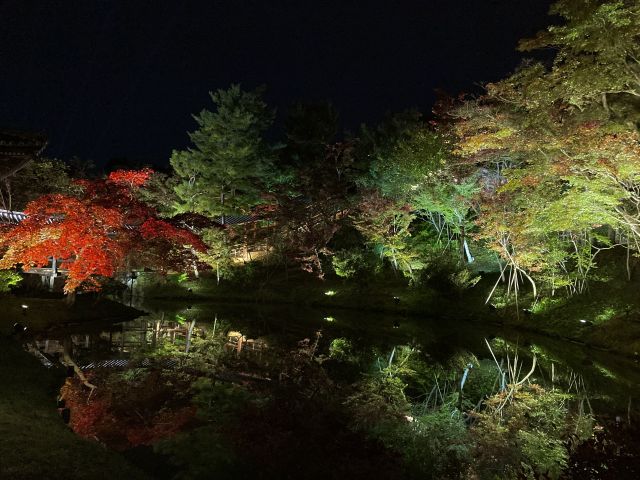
350	263
340	349
8	280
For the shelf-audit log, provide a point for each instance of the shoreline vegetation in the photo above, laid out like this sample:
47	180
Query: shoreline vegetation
29	414
517	208
607	317
30	406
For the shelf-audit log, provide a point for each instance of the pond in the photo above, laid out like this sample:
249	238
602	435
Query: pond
284	391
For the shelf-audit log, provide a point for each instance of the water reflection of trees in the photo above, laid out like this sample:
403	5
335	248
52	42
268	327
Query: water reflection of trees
517	403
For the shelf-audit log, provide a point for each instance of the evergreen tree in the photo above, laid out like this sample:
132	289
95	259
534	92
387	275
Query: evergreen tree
229	164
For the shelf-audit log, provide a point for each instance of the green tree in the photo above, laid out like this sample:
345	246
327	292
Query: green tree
9	279
229	164
411	164
310	127
313	195
559	146
385	226
598	57
39	177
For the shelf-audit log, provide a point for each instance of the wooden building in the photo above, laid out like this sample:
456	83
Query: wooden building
18	149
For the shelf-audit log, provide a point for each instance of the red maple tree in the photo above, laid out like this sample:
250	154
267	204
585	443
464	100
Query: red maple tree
102	231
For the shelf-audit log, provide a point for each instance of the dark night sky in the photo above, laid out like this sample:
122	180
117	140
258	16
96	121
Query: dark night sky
110	78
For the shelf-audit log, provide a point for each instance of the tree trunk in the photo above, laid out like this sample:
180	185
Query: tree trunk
68	360
71	298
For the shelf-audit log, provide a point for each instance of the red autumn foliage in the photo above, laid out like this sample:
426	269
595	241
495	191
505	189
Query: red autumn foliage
132	178
103	231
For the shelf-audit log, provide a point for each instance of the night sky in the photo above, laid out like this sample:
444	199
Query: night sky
107	78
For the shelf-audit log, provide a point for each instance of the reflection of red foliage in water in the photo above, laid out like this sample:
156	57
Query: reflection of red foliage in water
84	414
96	418
165	423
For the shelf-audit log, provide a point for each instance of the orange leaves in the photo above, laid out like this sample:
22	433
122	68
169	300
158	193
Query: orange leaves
67	228
99	233
154	228
132	178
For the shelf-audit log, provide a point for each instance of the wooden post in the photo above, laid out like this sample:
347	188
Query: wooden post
54	272
189	333
239	344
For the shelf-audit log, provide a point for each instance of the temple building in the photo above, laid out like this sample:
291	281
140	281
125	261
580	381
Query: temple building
18	149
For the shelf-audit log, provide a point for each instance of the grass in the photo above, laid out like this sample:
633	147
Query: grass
34	441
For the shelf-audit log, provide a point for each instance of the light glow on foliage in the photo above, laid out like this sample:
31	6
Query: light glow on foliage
102	231
132	178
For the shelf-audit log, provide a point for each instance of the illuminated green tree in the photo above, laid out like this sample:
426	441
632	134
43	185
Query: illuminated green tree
229	164
560	147
411	164
597	61
385	226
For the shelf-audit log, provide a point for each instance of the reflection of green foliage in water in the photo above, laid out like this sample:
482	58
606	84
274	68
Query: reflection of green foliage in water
205	449
378	400
525	434
405	403
543	455
134	374
541	353
522	434
605	315
483	380
165	348
206	353
434	443
340	349
218	402
604	371
199	452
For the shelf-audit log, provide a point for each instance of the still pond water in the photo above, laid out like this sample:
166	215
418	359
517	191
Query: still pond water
610	383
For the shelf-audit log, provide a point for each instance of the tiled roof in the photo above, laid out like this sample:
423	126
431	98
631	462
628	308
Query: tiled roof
14	143
17	149
8	216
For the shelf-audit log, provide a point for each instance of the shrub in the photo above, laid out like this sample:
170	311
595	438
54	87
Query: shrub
349	263
524	435
9	279
340	349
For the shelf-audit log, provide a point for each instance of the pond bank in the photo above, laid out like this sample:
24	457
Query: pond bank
41	313
35	442
610	312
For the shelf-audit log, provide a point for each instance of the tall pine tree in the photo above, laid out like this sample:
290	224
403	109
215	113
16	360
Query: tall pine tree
227	167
